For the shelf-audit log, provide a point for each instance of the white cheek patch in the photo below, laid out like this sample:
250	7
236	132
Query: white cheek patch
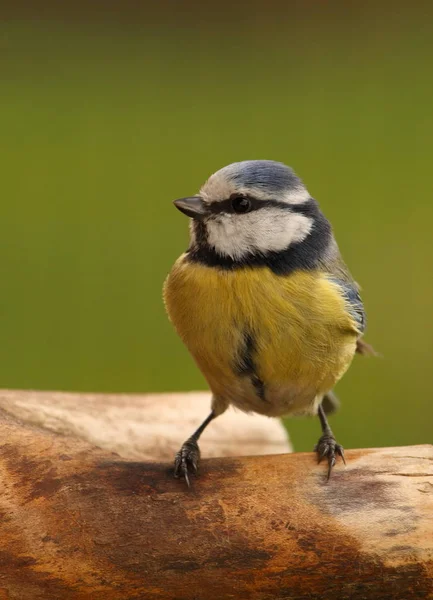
261	231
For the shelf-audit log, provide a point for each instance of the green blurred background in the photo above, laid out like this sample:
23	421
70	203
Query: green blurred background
108	112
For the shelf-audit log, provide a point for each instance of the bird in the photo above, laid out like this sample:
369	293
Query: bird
263	301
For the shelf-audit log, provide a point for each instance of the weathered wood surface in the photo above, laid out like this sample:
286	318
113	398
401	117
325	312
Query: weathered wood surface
79	522
147	426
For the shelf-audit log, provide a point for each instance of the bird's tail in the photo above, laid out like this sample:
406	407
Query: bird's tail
365	349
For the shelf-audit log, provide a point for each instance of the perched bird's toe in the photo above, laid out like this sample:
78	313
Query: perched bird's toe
186	460
327	447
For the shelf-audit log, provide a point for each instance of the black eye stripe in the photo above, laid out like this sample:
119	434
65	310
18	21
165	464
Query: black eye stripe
308	208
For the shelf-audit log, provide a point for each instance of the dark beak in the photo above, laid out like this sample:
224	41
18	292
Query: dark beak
193	207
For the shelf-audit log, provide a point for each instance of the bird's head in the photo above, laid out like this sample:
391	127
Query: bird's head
250	208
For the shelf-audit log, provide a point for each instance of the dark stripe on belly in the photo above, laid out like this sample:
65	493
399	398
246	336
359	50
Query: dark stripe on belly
246	366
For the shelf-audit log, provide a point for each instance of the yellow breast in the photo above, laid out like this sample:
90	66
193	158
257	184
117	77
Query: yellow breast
304	336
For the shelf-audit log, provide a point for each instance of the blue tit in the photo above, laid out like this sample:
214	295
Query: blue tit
263	300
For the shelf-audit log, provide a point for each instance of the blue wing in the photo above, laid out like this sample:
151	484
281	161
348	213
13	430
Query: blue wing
351	294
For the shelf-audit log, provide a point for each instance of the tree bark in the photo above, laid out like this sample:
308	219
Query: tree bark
78	522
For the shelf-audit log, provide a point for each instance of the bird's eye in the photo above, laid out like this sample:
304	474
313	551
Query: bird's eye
241	204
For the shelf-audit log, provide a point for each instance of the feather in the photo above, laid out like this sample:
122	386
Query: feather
350	293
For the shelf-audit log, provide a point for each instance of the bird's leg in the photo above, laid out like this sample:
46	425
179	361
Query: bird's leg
327	446
188	457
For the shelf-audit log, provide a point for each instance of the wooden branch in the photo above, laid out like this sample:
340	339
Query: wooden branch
78	522
147	426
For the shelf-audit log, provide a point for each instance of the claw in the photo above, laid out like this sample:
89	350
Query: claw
331	464
186	461
328	448
323	452
185	474
340	452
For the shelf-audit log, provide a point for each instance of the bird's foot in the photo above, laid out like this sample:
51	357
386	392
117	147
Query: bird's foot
328	448
186	460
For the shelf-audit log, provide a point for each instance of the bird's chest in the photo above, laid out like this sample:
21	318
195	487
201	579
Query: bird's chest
260	339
